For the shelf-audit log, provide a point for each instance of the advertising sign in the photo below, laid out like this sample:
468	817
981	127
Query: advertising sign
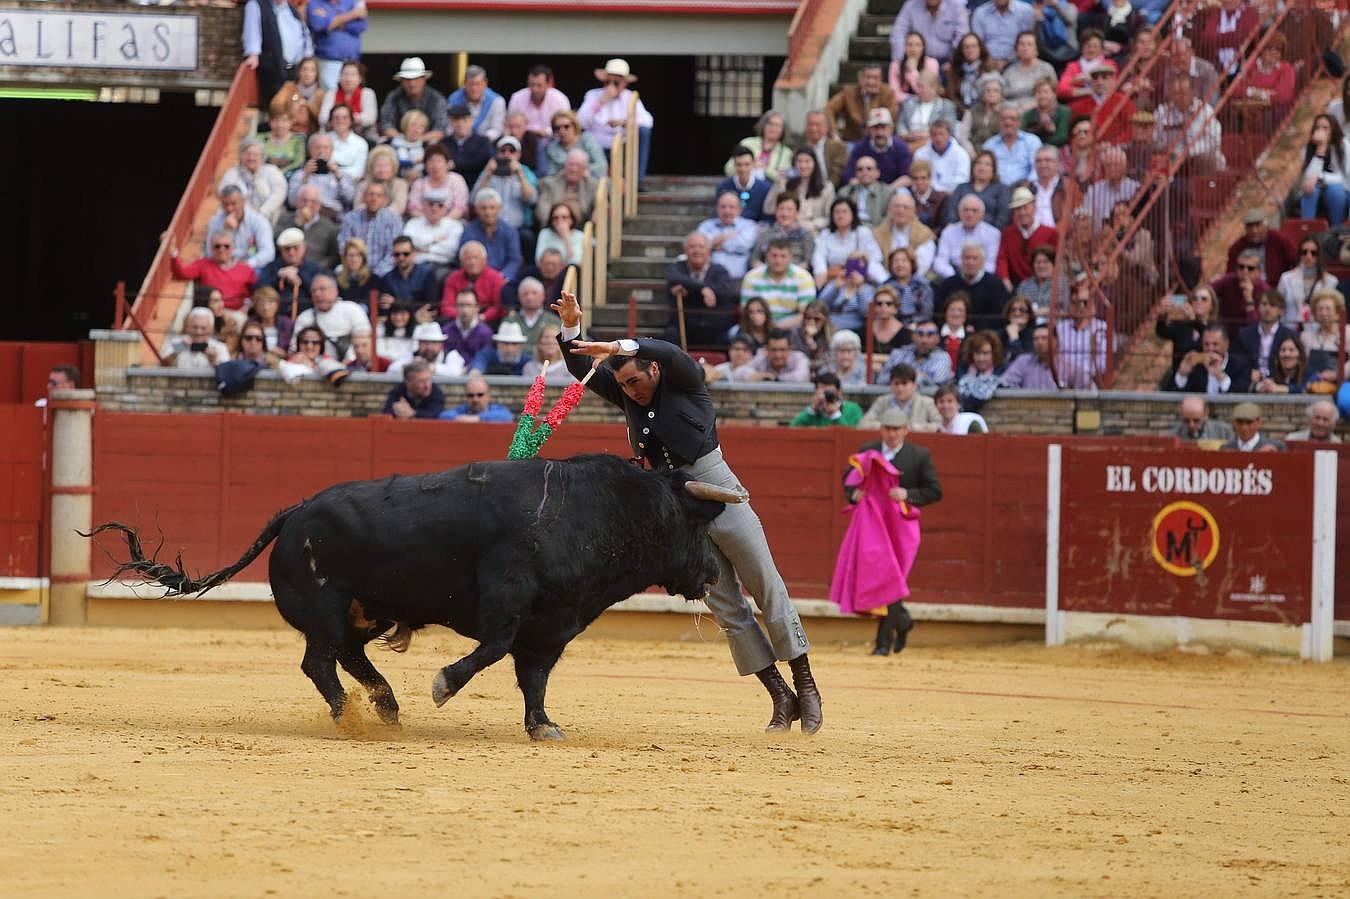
57	38
1193	534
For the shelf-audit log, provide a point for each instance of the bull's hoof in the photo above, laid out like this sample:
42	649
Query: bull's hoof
441	690
546	732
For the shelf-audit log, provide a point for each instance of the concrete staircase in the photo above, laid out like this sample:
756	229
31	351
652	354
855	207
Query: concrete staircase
669	208
871	42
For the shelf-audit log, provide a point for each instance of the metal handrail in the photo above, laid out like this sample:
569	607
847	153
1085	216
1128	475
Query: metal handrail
242	93
600	248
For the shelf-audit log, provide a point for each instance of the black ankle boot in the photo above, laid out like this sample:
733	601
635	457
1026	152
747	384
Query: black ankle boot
885	636
784	700
808	697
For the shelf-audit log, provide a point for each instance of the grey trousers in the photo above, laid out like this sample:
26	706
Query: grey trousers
738	541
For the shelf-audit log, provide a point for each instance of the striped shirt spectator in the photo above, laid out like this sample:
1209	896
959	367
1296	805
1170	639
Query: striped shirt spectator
1080	360
784	286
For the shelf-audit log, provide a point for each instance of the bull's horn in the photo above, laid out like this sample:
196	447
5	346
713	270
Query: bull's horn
716	493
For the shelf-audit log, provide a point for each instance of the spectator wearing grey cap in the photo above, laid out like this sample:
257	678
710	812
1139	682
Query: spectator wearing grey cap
290	273
517	186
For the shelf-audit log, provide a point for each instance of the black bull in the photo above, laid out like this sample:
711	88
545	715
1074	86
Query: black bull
521	556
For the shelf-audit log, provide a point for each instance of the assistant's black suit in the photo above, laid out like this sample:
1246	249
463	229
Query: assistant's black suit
919	478
917	473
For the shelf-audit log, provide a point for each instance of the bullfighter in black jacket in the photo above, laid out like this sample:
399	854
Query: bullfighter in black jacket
672	424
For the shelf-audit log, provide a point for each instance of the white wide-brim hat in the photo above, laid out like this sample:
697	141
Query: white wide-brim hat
616	68
509	332
412	67
428	331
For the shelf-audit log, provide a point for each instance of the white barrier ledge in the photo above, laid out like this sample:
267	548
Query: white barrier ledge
259	591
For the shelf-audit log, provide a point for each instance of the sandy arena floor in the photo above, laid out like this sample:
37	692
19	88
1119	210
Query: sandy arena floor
191	763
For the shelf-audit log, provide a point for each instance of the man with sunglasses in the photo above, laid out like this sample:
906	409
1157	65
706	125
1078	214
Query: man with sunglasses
1239	291
434	234
932	365
1276	254
604	111
478	406
1195	423
745	183
515	184
290	273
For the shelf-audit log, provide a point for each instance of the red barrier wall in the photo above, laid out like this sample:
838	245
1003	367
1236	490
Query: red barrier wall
21	508
24	367
211	482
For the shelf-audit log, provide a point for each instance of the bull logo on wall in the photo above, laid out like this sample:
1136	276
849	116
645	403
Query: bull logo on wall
1185	538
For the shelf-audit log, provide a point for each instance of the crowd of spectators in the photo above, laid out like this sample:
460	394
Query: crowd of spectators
922	207
918	215
407	229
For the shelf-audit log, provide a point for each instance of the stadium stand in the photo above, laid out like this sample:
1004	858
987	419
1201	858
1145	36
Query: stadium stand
1131	180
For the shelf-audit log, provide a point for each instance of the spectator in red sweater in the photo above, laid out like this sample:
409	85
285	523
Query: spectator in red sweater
234	278
1020	238
1226	30
475	274
1239	291
1110	110
1271	79
1278	254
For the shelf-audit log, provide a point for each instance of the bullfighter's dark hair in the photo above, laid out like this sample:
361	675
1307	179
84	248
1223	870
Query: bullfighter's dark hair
617	362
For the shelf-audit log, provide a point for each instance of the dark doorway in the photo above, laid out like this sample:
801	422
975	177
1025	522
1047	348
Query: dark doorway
88	193
682	143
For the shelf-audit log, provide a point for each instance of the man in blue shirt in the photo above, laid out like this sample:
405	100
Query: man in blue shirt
337	27
478	406
1014	149
506	356
411	282
750	187
999	22
501	241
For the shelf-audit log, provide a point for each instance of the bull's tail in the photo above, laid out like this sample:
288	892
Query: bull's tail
174	578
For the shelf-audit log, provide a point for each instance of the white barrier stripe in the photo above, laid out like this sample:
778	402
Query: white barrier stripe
1054	631
1323	556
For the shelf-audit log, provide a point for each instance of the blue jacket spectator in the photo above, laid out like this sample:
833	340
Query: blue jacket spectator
335	45
416	287
501	241
478	406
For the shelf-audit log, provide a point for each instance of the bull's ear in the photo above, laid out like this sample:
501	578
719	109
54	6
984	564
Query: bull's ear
716	493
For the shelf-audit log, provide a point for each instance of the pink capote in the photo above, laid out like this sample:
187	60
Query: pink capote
882	542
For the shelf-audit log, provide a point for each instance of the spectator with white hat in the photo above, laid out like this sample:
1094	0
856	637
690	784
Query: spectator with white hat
892	156
604	110
507	354
413	93
290	273
515	183
430	348
1021	238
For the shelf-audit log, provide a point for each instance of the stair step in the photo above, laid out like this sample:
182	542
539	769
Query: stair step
651	246
655	182
617	317
622	267
869	48
875	26
676	204
664	225
884	8
645	290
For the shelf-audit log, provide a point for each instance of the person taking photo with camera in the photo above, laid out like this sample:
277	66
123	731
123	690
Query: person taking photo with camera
829	407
